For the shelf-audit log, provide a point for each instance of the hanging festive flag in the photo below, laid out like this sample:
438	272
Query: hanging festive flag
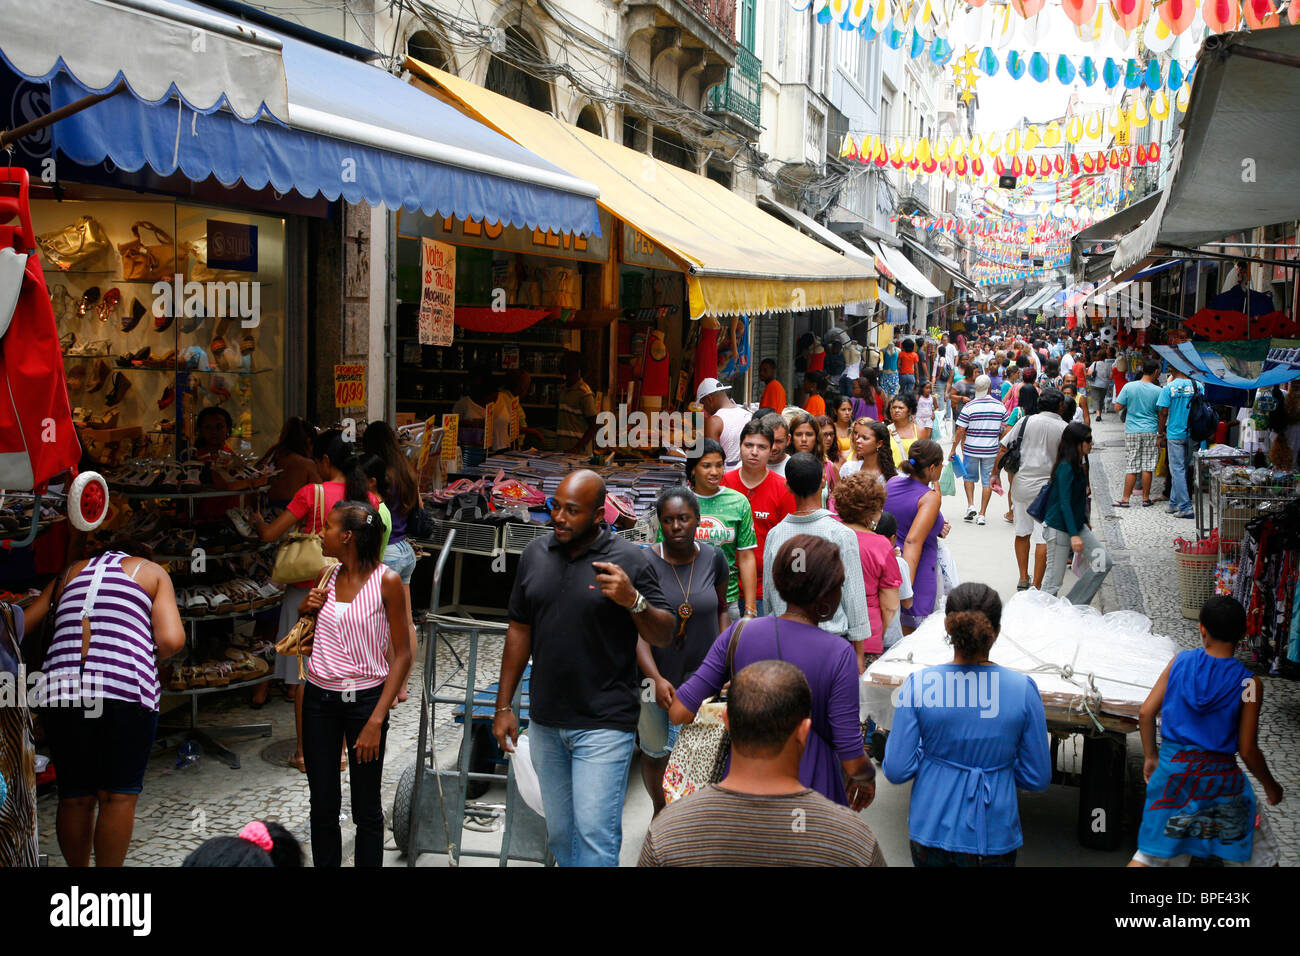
1153	80
1183	98
1220	16
1141	156
1028	8
941	51
1139	113
1039	68
1130	14
1059	164
1015	65
1177	15
1031	168
1160	106
1079	11
1114	158
988	62
918	45
1074	165
1175	76
1260	14
1132	75
1052	135
1111	74
1065	71
1032	138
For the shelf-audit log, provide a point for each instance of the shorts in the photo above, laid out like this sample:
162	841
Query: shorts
1024	524
108	751
981	464
1096	398
1143	450
656	736
400	556
1263	852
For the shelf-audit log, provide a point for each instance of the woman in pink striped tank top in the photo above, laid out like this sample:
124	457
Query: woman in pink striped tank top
350	684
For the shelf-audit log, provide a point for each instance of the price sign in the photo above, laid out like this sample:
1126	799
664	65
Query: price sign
450	436
437	292
349	386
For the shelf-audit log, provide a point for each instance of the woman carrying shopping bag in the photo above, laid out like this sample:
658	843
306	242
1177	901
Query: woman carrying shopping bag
1066	519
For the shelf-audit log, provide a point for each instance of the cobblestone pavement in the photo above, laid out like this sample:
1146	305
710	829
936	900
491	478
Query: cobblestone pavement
178	810
1145	579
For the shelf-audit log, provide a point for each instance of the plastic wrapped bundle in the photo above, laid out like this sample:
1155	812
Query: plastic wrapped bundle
1092	669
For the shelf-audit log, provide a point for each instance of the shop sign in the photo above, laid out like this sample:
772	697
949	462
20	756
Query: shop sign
466	232
640	250
437	292
349	386
232	245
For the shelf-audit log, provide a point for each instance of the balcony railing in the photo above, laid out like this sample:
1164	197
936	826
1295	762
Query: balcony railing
720	14
742	91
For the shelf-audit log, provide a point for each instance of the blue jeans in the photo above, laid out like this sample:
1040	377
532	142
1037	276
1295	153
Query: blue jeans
656	734
583	777
1180	452
981	466
906	383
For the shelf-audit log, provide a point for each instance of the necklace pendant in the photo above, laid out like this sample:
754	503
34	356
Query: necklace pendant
684	611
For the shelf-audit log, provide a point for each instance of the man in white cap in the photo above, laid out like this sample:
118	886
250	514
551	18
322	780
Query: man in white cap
979	429
723	418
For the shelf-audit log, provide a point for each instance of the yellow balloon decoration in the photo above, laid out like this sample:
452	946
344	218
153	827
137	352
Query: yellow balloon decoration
923	150
958	148
1184	96
1140	116
1052	135
1160	105
909	150
976	145
1095	126
1031	137
1013	142
1074	131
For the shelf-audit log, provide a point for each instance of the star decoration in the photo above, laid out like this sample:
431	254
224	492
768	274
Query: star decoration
963	74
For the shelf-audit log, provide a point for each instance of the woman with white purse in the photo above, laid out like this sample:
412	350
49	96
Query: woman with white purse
344	481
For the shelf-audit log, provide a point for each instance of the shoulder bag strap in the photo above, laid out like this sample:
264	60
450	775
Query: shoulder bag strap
731	648
318	509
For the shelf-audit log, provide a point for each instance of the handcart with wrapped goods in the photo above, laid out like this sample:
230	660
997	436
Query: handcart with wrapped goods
1093	671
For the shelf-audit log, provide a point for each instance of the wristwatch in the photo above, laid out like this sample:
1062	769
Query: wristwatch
640	604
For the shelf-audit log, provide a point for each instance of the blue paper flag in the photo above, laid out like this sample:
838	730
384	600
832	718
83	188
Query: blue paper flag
1088	71
1132	75
1015	65
1110	74
941	51
1065	71
988	62
918	45
1039	68
1153	79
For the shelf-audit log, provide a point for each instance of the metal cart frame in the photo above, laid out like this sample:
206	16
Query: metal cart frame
428	792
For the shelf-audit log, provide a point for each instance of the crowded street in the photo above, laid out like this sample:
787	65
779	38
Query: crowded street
650	433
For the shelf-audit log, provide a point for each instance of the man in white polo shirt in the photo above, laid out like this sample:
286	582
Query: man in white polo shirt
979	430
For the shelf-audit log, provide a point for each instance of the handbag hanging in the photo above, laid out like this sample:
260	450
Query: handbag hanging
302	556
142	262
1038	507
298	642
75	244
703	745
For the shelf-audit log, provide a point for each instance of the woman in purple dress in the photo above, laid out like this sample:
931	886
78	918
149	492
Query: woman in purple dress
915	506
809	575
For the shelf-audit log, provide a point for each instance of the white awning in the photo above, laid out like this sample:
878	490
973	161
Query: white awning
159	48
948	265
895	309
817	230
894	264
1233	167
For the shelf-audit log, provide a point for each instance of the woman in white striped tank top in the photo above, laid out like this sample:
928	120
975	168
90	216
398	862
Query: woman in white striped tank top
115	617
350	683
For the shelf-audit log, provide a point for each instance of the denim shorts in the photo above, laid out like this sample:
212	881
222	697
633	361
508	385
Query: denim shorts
656	735
107	751
401	558
983	465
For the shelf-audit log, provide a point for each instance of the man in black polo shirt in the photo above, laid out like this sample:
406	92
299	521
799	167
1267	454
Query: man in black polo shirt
582	596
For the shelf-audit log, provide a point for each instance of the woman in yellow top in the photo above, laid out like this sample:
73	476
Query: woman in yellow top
844	428
902	425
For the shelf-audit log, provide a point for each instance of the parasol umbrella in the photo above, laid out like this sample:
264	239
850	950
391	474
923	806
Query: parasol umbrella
1239	314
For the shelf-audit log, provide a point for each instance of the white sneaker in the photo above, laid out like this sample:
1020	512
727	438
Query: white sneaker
970	513
980	520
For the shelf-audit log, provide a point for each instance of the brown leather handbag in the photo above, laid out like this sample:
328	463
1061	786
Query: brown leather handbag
142	262
298	642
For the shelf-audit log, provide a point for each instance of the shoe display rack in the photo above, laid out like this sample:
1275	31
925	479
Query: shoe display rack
225	591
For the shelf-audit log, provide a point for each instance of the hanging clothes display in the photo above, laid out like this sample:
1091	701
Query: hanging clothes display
1264	579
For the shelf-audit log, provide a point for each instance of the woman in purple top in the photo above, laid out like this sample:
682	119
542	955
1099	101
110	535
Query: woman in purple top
915	506
115	617
809	575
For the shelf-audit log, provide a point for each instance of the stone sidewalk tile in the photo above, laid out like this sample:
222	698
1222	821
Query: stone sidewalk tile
1145	579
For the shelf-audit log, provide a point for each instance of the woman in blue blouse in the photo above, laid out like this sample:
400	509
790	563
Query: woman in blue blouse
969	733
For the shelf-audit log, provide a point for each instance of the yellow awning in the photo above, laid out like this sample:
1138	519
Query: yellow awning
737	258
